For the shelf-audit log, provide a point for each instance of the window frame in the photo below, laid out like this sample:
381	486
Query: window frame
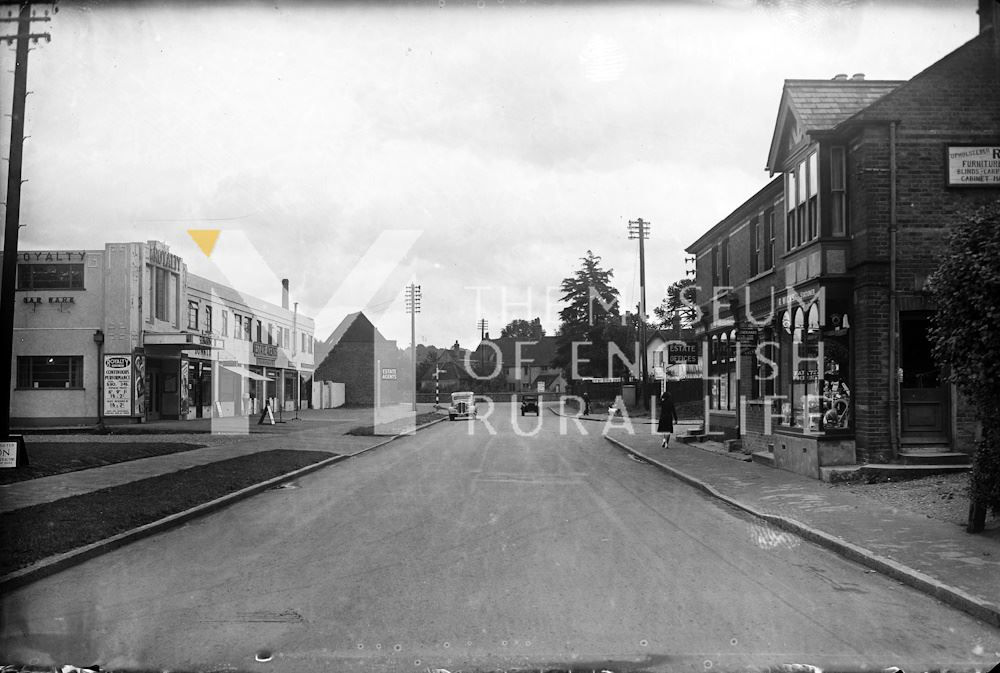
26	372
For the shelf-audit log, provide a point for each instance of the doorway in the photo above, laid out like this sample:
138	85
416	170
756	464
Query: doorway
924	395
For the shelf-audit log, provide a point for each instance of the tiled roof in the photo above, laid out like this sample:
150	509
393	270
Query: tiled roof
822	104
540	354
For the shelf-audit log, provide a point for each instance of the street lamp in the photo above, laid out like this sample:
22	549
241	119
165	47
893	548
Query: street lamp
639	229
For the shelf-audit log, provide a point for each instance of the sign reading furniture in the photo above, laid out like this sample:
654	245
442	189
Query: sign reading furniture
973	166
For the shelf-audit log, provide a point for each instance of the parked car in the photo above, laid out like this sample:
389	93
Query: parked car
462	404
529	403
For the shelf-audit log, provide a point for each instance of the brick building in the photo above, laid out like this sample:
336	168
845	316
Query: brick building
356	354
814	290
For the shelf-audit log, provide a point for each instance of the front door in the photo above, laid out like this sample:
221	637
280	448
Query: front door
924	396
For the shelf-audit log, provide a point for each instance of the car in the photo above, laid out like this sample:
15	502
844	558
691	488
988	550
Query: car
462	405
529	403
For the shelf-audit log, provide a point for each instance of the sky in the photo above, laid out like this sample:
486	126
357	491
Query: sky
476	149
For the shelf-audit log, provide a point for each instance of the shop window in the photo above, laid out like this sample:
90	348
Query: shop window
192	315
50	371
836	391
838	193
50	276
722	372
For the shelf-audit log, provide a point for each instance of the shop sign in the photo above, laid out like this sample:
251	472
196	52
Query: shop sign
802	296
746	334
263	350
72	256
389	373
118	385
974	166
8	454
160	257
682	354
806	375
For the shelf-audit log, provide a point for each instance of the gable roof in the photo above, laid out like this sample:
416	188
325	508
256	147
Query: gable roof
540	352
809	105
354	328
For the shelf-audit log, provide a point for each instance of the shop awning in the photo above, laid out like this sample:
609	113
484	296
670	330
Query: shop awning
243	371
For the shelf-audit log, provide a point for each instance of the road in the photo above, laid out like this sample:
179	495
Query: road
464	548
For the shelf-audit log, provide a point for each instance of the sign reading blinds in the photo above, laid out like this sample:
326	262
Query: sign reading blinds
974	166
117	385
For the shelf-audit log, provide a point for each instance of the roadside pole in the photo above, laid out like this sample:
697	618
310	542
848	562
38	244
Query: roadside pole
640	229
413	308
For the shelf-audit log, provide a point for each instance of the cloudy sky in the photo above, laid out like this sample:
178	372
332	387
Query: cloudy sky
354	149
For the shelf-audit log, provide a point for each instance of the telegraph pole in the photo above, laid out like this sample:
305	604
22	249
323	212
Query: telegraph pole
413	308
25	16
639	229
482	325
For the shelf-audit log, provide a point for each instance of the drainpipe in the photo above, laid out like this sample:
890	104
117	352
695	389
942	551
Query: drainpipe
893	318
99	340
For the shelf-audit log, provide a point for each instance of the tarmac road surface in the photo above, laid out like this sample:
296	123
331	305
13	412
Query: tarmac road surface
462	549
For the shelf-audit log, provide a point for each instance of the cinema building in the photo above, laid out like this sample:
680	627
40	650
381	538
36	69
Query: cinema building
814	291
127	335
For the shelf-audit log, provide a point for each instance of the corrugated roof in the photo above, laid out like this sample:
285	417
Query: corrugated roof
820	105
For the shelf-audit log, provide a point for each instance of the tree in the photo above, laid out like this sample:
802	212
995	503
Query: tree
966	291
522	329
674	306
591	315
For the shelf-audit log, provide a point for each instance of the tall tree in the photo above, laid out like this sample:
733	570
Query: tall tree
591	315
523	329
680	302
966	291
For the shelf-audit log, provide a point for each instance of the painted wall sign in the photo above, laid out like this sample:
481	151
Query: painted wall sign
118	385
71	256
974	166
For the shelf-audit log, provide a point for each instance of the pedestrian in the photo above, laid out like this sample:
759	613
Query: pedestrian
264	411
586	404
668	416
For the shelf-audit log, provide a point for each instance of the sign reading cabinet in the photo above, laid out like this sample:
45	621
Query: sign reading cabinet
970	166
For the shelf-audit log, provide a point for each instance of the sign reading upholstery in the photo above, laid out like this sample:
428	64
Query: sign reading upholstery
974	166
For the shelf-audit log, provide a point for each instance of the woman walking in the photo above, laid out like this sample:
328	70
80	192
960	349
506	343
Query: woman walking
668	416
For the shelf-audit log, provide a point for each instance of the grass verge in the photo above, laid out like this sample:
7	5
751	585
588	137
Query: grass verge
34	533
48	458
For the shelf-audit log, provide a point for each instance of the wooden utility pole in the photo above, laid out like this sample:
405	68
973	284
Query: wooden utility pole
639	229
12	224
413	308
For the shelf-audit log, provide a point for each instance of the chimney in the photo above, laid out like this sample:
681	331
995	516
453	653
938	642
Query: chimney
284	293
989	15
858	77
840	77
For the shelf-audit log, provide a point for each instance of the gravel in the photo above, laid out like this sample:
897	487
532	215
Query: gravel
942	497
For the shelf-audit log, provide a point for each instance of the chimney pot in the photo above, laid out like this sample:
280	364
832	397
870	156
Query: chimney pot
858	77
284	293
840	76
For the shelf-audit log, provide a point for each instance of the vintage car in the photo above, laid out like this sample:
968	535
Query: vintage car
529	403
462	404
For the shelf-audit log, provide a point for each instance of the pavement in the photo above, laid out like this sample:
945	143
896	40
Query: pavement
933	556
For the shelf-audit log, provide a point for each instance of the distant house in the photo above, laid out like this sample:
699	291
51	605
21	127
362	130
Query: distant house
451	377
522	361
549	383
357	355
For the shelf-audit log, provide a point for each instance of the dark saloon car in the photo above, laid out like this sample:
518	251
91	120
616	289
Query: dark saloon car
529	403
